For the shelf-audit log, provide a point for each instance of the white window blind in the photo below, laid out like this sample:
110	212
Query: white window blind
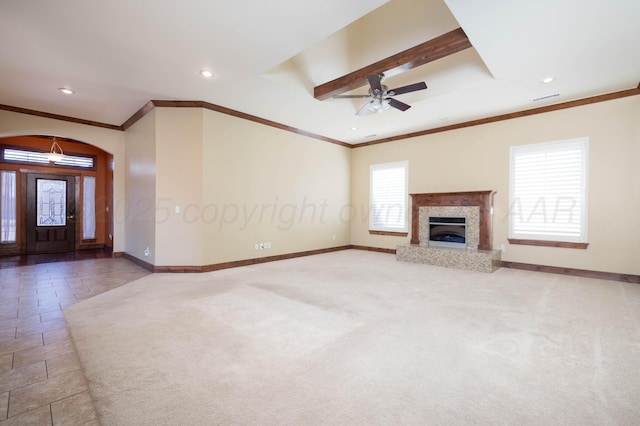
8	212
548	191
24	156
389	197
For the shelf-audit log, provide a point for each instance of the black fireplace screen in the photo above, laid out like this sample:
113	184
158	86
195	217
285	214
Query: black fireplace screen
448	230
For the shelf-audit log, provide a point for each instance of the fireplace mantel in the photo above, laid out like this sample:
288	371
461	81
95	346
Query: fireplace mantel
482	199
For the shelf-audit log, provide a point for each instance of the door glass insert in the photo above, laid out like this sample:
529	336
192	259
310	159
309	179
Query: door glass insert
52	202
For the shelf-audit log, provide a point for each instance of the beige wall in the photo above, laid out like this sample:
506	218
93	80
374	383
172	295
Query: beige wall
178	186
140	195
477	158
203	188
262	184
238	183
111	141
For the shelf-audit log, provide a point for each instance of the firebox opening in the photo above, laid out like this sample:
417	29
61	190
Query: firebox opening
448	232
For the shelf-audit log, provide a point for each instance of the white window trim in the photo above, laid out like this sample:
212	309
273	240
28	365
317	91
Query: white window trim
583	144
405	226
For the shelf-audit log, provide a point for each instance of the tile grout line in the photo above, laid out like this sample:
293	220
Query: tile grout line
44	296
8	404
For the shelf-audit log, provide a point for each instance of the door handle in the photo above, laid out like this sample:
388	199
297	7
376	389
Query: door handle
71	216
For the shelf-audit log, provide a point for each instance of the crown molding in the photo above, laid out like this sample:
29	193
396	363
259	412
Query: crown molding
59	117
242	115
152	104
509	116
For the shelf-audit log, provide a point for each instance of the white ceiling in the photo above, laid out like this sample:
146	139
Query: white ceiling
268	57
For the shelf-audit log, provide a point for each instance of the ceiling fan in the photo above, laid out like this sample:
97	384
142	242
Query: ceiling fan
381	95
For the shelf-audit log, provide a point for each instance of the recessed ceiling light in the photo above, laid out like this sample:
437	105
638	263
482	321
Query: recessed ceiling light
547	80
66	91
354	128
206	73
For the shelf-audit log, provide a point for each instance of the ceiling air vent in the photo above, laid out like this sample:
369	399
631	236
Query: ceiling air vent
544	98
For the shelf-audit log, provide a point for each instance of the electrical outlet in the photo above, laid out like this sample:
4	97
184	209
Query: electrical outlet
257	246
147	251
267	245
501	247
261	246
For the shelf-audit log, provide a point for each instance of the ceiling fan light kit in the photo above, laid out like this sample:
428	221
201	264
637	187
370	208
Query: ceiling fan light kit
378	106
382	96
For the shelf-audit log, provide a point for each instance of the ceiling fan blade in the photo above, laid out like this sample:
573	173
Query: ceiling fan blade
351	96
398	105
375	82
410	88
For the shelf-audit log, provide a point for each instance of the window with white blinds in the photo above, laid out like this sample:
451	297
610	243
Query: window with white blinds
389	197
548	191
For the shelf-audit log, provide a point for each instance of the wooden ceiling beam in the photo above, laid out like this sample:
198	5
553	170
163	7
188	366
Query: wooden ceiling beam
444	45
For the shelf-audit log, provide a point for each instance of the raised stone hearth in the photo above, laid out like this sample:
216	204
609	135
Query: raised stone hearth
476	207
470	260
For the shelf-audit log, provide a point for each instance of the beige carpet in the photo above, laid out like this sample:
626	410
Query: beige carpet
357	338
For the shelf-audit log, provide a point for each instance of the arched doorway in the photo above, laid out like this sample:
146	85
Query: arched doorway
49	206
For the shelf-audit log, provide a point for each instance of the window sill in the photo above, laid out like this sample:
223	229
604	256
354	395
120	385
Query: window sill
393	234
542	243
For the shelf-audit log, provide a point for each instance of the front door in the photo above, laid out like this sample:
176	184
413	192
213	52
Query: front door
51	208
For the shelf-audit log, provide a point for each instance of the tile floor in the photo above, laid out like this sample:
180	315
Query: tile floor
41	381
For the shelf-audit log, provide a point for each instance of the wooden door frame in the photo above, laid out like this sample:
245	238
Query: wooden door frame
23	204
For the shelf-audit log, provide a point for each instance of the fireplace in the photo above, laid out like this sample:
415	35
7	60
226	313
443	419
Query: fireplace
476	206
448	232
443	222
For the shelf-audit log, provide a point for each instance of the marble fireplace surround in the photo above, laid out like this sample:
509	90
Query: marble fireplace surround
475	205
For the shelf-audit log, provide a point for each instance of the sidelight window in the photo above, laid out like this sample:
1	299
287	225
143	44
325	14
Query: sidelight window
8	207
89	208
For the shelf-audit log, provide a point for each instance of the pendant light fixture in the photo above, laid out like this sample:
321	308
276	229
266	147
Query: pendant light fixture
55	154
